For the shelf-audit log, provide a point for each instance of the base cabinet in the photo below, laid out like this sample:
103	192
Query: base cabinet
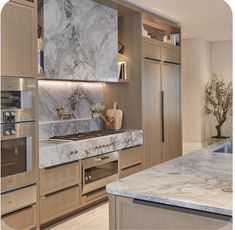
22	219
130	161
55	205
126	213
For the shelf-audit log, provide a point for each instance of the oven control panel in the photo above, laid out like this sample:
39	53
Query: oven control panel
9	129
9	116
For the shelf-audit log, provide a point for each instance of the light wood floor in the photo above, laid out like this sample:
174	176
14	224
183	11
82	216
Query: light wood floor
96	218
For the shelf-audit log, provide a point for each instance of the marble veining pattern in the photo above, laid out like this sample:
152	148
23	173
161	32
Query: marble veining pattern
197	181
58	128
51	153
80	40
76	97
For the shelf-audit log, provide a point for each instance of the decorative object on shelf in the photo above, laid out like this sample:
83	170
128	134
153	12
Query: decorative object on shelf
97	109
122	67
172	39
122	70
40	53
145	32
62	114
109	121
121	48
218	101
117	114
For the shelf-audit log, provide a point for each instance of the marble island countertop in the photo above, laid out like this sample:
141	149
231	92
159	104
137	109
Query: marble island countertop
56	152
201	180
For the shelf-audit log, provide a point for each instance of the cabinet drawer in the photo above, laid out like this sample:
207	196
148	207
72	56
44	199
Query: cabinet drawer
151	50
170	54
59	203
129	157
18	199
129	171
23	219
60	177
94	196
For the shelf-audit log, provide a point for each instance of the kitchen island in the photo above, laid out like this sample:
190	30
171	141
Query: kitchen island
193	191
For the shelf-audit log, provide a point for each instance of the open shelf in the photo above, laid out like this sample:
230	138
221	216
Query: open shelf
160	30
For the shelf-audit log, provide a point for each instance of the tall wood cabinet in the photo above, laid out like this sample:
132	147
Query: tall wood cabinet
18	40
161	102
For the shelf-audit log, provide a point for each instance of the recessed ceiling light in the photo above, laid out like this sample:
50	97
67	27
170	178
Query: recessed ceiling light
184	33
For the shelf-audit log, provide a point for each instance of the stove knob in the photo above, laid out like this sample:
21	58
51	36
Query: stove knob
86	178
7	133
7	114
76	151
13	132
89	177
71	153
13	114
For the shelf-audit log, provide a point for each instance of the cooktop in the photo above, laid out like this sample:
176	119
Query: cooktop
86	135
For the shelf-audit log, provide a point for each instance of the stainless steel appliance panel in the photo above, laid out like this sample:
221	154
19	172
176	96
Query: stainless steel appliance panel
17	99
18	156
98	171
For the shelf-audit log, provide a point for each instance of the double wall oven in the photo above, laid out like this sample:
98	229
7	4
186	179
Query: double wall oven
18	148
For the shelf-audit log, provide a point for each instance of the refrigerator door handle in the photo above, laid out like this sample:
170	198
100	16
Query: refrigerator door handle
162	113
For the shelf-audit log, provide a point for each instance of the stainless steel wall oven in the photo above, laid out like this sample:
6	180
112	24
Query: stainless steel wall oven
18	133
17	99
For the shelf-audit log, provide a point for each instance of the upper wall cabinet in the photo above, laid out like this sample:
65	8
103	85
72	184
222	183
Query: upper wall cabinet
80	40
18	51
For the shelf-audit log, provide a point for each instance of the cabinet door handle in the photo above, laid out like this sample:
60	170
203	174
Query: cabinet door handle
162	111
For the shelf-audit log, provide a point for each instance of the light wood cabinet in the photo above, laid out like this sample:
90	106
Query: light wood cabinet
94	196
151	112
127	213
130	161
172	145
161	112
57	204
59	177
151	50
18	199
31	3
23	219
170	54
18	40
60	190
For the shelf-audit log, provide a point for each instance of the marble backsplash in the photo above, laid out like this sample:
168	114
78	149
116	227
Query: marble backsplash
77	98
80	40
57	128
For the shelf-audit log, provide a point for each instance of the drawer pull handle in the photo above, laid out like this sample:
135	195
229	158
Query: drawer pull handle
101	158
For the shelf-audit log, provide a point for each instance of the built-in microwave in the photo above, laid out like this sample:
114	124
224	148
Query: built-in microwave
17	99
18	155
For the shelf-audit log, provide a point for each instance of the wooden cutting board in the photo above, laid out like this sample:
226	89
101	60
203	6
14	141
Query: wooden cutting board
117	114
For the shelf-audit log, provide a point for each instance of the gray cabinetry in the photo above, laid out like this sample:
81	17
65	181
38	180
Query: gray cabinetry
80	41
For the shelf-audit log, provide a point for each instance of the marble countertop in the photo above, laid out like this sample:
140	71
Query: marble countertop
53	152
201	180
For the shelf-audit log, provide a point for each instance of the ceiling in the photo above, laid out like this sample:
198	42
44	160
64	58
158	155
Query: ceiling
208	19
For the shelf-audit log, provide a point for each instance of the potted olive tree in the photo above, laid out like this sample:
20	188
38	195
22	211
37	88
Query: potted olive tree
218	101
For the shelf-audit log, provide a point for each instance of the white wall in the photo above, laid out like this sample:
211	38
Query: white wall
221	57
196	70
200	58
